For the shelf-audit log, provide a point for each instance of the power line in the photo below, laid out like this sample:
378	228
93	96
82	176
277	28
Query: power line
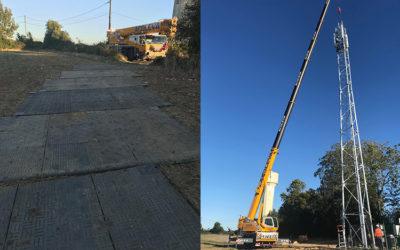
35	24
119	14
84	13
41	25
85	20
34	19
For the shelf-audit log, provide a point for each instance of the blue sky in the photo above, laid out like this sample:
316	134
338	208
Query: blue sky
251	55
126	13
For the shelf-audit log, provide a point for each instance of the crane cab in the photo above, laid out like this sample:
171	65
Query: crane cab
263	232
271	223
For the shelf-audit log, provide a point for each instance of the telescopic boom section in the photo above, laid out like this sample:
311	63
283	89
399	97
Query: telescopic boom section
278	138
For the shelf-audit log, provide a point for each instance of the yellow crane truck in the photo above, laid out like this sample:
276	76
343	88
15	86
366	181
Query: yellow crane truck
146	41
260	231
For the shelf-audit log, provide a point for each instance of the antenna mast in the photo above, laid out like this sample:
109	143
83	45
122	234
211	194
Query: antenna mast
356	212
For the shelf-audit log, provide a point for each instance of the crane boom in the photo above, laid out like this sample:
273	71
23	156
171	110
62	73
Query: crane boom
275	147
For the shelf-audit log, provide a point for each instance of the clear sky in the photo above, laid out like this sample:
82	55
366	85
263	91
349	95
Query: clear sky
251	55
90	27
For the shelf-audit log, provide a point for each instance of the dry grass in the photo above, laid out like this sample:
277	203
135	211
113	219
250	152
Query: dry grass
183	91
186	178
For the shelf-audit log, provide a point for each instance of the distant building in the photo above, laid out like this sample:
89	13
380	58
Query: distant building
179	7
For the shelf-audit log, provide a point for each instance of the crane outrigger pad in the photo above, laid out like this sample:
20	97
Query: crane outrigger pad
97	73
91	83
67	101
82	142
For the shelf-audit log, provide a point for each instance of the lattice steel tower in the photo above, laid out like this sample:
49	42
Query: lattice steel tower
356	212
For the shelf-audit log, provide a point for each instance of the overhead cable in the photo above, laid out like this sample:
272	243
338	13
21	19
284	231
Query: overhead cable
85	20
84	13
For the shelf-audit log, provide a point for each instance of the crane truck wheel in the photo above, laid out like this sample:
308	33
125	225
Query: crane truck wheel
131	54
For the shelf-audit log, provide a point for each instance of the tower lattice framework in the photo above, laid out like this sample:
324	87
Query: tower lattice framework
356	213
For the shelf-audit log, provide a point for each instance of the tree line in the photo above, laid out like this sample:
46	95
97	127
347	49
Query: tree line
185	44
317	212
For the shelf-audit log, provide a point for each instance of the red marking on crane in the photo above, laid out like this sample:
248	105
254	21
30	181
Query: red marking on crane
339	10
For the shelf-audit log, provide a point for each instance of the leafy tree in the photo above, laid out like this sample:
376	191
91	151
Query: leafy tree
55	37
297	211
382	173
217	228
29	42
317	212
273	213
7	23
189	27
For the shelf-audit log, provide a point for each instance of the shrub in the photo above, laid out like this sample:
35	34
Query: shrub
217	228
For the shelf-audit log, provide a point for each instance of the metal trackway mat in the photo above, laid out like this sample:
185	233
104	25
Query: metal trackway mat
7	195
22	145
90	83
55	102
58	214
97	73
145	211
135	208
100	67
67	144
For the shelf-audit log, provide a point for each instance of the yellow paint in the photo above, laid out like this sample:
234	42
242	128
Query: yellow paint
166	27
261	185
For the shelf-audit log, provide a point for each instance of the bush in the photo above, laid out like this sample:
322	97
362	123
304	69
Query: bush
55	38
29	42
181	63
101	49
188	30
10	44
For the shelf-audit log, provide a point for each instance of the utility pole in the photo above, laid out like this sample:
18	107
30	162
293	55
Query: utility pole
26	35
109	17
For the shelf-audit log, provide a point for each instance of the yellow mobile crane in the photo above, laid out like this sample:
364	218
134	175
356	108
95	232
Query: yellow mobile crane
264	231
146	41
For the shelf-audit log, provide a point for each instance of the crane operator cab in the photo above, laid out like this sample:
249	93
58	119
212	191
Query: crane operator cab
271	222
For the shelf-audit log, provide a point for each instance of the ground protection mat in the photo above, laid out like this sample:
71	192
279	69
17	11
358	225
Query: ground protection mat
55	102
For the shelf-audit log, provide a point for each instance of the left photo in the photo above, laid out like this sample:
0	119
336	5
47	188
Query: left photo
100	124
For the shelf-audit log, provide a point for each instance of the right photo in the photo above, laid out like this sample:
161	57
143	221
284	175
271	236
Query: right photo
300	146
